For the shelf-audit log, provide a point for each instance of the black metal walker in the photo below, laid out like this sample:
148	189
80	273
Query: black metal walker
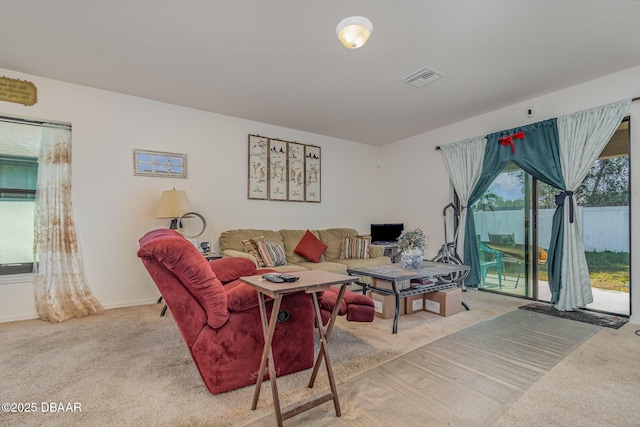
448	253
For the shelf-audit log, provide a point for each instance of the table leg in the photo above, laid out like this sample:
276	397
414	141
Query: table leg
324	350
268	329
332	319
396	318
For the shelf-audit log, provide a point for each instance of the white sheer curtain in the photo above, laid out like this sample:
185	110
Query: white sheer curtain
463	160
60	285
582	136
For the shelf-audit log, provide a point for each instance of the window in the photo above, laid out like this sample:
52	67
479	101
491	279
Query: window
19	147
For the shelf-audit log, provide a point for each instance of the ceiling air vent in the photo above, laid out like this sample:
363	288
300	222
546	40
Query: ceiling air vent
422	77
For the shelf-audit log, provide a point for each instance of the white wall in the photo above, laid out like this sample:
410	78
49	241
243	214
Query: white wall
114	208
420	195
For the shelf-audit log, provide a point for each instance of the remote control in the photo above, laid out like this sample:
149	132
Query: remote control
273	278
288	277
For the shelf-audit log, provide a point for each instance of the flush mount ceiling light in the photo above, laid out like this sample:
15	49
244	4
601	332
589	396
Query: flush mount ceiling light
354	31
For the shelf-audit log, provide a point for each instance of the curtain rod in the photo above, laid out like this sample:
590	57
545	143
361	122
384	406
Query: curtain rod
33	122
632	100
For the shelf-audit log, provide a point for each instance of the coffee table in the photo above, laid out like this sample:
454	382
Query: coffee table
395	274
310	282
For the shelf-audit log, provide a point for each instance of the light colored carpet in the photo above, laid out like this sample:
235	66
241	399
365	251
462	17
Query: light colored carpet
131	367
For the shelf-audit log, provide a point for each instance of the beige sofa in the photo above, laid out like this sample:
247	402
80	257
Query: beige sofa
231	245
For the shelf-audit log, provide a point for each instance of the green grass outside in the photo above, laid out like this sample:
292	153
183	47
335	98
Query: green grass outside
608	270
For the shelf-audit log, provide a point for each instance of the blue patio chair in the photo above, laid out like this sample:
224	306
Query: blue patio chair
489	258
507	240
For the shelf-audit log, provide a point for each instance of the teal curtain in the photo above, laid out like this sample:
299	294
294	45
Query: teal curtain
537	153
491	168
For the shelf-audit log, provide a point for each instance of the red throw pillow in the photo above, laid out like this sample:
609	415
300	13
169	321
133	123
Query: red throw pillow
310	247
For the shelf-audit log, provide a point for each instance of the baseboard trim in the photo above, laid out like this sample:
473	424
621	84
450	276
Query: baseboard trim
18	318
131	303
32	316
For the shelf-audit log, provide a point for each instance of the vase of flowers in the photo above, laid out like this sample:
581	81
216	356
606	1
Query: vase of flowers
412	244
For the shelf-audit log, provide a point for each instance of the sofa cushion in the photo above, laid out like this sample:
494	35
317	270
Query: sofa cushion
229	269
232	253
355	247
251	247
376	251
289	268
232	239
332	267
359	263
332	237
291	238
310	247
272	254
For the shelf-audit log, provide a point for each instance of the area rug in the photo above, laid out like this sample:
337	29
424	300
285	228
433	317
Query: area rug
469	378
605	320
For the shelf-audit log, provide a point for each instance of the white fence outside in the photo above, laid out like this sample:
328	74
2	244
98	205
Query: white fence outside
603	228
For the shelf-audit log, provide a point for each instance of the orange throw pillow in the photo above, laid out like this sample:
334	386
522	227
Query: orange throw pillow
310	247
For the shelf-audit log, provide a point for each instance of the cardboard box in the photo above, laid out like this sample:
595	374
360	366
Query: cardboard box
386	284
385	305
414	303
446	302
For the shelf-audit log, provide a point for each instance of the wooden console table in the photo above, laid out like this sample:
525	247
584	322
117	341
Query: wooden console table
310	282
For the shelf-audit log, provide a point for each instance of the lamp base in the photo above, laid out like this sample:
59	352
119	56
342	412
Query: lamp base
174	225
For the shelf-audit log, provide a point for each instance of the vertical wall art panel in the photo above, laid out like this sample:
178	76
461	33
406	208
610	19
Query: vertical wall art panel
283	170
296	172
258	167
277	169
312	173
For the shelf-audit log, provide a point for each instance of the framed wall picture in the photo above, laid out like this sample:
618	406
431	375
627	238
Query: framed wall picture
283	170
159	164
295	170
277	170
258	167
312	173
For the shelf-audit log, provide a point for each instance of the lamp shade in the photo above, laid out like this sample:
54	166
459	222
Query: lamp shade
354	31
173	204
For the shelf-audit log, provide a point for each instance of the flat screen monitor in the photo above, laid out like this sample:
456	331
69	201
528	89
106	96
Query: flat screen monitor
386	233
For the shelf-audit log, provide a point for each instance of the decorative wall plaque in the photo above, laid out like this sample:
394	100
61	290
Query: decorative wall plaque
159	163
18	91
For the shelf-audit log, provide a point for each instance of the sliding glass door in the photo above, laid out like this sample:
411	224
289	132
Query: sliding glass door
513	230
503	233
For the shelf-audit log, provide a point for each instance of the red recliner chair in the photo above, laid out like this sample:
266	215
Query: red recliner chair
221	324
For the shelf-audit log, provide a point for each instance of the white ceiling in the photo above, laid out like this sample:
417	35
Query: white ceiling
279	61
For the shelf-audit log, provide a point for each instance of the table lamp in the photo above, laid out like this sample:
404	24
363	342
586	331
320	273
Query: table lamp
173	204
